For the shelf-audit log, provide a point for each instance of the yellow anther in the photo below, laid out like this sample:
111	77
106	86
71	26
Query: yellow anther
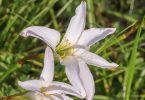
64	49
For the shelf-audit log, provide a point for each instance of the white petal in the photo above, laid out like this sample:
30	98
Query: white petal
53	90
87	79
48	70
65	88
66	97
33	95
31	85
55	97
94	59
77	24
73	74
36	96
93	35
49	36
61	97
47	98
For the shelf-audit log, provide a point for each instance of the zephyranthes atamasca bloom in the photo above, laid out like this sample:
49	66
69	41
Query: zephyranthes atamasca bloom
73	50
45	88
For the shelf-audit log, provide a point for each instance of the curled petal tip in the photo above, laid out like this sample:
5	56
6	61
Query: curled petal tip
83	2
112	30
24	34
19	83
114	65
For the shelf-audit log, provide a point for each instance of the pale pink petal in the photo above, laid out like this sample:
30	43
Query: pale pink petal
61	97
48	70
50	36
36	96
65	89
77	24
93	35
93	59
87	79
31	85
66	97
73	74
55	97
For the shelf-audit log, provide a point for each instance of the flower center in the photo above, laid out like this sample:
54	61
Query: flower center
44	91
65	49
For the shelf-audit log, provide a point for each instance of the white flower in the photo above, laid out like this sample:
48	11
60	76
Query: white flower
72	49
45	88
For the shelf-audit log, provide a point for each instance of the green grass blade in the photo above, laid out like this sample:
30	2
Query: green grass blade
90	13
12	69
129	74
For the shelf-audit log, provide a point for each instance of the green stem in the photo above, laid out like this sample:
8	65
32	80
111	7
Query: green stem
119	15
129	74
55	23
13	68
90	13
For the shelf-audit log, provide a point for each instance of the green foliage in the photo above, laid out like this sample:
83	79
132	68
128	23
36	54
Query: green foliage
129	74
22	59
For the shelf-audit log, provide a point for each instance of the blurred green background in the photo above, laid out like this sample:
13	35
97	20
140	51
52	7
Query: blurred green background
22	58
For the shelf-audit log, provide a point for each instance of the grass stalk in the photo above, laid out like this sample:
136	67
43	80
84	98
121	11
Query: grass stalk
91	18
129	74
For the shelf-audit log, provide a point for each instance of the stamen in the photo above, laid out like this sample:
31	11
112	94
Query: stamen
44	91
67	49
64	49
63	45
